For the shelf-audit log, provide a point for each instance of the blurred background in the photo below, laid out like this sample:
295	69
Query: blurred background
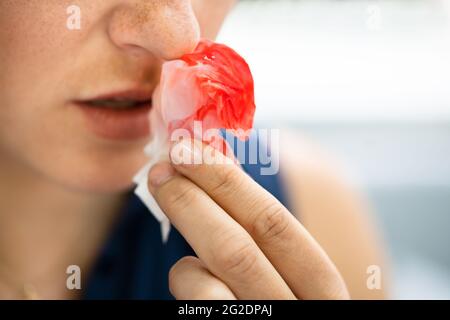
369	81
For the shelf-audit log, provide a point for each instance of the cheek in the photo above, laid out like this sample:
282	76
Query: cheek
31	35
211	14
28	63
96	171
30	45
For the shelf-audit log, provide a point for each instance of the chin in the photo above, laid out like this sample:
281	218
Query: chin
96	174
98	182
102	184
111	178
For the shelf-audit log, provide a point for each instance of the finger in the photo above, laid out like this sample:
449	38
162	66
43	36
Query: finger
220	242
291	249
189	279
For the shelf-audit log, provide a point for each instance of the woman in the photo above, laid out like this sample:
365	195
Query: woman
73	126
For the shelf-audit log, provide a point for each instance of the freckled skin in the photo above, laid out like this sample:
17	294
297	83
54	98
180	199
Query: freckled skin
44	66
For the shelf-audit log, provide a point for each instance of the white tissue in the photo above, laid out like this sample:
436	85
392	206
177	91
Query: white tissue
157	151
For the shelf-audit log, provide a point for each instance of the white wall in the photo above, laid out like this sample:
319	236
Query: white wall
341	61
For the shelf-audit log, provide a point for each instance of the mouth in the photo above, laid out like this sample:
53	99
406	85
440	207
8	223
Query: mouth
119	115
118	104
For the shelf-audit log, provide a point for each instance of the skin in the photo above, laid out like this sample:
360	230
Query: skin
60	181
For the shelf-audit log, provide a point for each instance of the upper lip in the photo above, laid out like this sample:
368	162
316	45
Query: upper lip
138	94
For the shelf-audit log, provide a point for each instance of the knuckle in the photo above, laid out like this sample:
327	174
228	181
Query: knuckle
181	195
237	255
228	179
272	223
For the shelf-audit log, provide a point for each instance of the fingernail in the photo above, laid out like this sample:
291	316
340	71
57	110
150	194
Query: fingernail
186	152
160	174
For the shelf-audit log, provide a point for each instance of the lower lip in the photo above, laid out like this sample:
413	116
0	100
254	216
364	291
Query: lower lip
115	124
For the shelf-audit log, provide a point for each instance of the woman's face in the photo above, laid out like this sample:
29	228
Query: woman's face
61	87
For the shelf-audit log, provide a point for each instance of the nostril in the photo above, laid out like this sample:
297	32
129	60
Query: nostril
135	50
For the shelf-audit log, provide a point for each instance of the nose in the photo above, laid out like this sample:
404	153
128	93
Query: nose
167	29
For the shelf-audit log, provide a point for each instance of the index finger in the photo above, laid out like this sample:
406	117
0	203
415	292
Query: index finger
291	249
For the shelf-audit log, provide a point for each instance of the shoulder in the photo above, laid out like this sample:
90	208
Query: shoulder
332	209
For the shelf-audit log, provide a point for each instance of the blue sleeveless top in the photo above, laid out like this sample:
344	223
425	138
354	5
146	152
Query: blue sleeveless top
135	264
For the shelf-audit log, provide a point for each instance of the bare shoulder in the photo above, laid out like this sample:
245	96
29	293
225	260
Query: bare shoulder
333	211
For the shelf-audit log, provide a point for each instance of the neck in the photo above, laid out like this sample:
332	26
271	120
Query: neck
45	227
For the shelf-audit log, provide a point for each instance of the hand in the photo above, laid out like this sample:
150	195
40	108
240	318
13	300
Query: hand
249	245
